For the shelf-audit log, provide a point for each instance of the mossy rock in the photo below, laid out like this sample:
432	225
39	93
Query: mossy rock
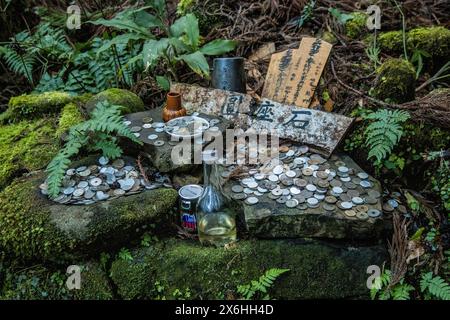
26	146
32	227
31	106
70	116
433	40
356	25
43	283
175	269
396	81
131	102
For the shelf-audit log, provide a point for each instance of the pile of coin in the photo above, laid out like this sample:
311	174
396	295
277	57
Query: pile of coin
155	132
106	180
304	180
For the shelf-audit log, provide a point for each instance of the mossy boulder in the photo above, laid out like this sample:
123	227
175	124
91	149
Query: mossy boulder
183	269
396	81
32	227
131	102
43	283
70	116
26	146
355	26
31	106
433	40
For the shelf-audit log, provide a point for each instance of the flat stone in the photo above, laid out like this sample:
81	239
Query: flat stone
270	219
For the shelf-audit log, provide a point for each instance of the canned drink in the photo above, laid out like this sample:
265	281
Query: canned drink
189	196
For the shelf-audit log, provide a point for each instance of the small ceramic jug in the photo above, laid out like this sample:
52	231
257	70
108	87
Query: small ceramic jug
173	108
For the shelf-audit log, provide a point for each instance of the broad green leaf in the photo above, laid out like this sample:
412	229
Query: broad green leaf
163	82
125	24
197	62
180	46
147	20
158	5
187	25
218	46
153	50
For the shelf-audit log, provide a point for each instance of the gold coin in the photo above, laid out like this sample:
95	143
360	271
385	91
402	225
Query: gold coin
350	213
362	215
362	208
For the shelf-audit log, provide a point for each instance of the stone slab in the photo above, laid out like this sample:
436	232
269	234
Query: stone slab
269	219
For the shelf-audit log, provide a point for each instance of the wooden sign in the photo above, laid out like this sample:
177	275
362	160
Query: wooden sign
322	131
293	74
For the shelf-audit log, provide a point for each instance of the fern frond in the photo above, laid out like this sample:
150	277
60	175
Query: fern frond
435	285
384	132
20	64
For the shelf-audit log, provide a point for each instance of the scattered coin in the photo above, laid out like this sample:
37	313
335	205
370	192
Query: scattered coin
252	200
373	213
291	203
362	215
350	213
158	143
362	175
237	188
152	137
78	192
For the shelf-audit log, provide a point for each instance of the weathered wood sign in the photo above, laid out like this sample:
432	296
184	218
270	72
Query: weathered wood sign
294	74
322	131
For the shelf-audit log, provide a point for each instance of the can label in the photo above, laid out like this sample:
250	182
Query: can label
188	201
189	222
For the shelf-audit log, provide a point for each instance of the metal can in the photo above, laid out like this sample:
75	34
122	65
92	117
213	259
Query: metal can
189	196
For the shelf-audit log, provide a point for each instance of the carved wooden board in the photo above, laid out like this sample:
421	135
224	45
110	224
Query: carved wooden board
294	74
322	131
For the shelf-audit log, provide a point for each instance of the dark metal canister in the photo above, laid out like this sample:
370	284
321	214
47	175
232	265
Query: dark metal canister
229	74
189	196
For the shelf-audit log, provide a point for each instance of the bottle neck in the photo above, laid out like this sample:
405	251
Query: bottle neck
207	172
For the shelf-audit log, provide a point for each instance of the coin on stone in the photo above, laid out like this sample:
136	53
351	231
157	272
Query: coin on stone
311	187
238	196
346	205
282	199
345	197
370	200
278	170
335	183
158	143
135	129
252	200
291	203
330	199
158	125
362	215
127	122
365	184
70	172
307	171
95	182
312	201
337	190
152	137
291	173
89	194
259	176
147	125
373	194
78	192
363	175
237	188
362	208
118	163
393	203
323	183
248	191
300	183
343	169
100	195
357	200
350	213
387	207
82	184
373	213
68	191
273	177
329	207
118	192
294	190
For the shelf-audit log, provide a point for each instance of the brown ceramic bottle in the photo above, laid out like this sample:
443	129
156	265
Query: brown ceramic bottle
173	108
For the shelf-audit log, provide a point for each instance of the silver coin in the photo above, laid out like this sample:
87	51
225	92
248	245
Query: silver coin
158	125
95	182
312	201
311	187
370	200
127	122
252	200
238	196
393	203
329	207
290	153
282	199
291	174
83	184
237	188
346	205
147	125
100	195
248	191
278	170
337	190
119	192
68	191
262	190
70	172
85	173
299	161
277	192
158	143
291	203
78	192
82	168
303	149
133	129
363	175
152	137
89	194
357	200
252	184
365	184
259	176
373	213
373	194
319	196
294	190
345	179
136	134
273	177
126	184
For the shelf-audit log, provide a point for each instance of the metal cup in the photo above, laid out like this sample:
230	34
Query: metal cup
229	74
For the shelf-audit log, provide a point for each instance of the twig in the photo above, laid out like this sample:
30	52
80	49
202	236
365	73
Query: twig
141	168
398	249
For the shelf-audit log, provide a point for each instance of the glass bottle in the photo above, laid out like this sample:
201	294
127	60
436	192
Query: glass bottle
216	223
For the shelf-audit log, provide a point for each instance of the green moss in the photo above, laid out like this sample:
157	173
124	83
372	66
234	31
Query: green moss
396	81
329	37
35	105
433	40
174	267
357	25
94	284
70	116
26	146
131	102
33	228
